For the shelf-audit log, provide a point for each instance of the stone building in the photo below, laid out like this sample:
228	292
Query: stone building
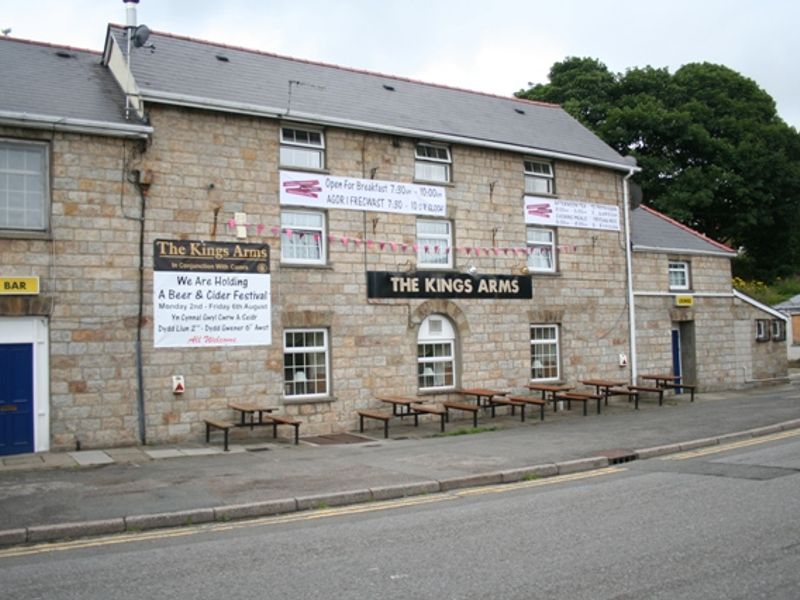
240	225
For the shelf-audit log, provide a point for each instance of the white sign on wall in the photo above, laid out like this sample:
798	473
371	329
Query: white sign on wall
557	212
209	294
351	193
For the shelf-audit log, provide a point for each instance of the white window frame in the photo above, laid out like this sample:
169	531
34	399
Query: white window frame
430	258
302	153
540	342
539	250
762	330
539	177
303	236
778	330
679	267
22	187
305	381
432	158
436	354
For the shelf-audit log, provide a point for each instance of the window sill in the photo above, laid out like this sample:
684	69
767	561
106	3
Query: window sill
304	169
326	267
544	273
309	400
21	234
450	184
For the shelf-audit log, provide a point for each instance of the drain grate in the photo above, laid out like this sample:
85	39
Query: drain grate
617	456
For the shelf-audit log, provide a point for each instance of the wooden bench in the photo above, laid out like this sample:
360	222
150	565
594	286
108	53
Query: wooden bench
496	401
462	406
647	388
681	386
631	394
378	416
541	403
430	410
223	426
275	420
580	397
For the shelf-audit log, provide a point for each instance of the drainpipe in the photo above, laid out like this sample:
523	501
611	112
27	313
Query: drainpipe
628	260
136	177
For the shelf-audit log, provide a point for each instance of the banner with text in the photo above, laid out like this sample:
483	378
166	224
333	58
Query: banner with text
351	193
211	294
571	213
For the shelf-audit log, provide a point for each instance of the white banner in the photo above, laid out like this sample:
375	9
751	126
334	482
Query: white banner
571	213
209	309
351	193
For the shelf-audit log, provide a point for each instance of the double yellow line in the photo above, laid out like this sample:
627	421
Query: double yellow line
323	513
732	446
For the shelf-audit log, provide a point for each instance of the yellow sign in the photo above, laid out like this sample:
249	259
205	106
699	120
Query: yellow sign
684	300
19	286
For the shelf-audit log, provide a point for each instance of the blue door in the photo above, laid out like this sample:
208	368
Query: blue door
16	398
676	356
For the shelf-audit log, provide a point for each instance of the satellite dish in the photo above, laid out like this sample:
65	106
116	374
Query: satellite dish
140	36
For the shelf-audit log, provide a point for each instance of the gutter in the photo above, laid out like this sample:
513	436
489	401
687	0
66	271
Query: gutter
281	113
49	122
640	248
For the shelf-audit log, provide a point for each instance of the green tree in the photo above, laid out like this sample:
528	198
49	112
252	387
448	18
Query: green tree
714	152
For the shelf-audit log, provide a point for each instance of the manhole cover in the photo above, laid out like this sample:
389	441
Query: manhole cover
337	438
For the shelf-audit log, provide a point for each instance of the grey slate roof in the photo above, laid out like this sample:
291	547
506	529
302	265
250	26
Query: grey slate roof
791	305
652	230
185	67
59	82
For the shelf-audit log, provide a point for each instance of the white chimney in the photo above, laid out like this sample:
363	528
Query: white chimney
130	12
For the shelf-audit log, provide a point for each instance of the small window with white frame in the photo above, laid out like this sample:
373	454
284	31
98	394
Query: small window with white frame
432	163
302	148
303	237
539	178
679	275
762	330
305	363
436	363
434	243
545	353
541	250
778	332
24	186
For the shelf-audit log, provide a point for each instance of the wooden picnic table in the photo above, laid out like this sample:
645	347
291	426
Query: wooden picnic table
549	388
662	379
602	386
481	393
247	411
401	405
569	397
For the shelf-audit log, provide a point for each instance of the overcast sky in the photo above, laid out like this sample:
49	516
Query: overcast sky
495	46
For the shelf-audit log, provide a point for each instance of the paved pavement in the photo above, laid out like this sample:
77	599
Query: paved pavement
51	496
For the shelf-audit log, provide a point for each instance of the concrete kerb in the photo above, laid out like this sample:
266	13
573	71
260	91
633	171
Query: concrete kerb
62	531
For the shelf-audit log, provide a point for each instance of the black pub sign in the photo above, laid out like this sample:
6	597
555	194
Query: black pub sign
434	284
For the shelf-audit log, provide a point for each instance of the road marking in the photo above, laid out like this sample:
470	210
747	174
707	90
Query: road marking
732	446
308	515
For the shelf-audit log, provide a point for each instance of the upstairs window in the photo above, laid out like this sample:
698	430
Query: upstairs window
302	148
434	240
762	330
541	250
539	177
678	275
432	163
24	189
778	332
302	237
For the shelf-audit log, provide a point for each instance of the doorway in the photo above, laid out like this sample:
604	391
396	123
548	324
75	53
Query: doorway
683	352
16	399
